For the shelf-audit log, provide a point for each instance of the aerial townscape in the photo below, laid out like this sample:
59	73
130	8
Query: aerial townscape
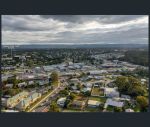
74	63
74	79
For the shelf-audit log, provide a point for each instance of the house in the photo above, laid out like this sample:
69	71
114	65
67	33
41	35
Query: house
3	101
143	81
71	67
30	82
9	68
99	77
86	89
114	103
111	84
76	91
9	85
88	85
6	77
61	67
13	101
89	77
43	82
97	72
111	92
48	68
23	84
74	81
74	87
26	76
61	101
129	110
78	104
70	63
125	96
77	66
10	111
67	74
93	103
38	70
24	103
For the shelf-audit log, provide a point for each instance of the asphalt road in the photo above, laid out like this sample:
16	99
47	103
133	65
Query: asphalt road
56	90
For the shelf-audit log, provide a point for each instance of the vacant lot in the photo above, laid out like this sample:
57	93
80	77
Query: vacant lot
95	91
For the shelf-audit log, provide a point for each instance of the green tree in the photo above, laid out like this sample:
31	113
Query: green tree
130	85
87	93
122	83
63	92
117	109
142	102
54	77
72	96
54	107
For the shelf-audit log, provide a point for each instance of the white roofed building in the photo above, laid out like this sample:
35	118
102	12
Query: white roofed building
61	101
114	103
111	92
93	103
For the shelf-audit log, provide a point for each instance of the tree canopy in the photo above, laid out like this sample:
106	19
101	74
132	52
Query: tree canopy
142	102
130	85
54	76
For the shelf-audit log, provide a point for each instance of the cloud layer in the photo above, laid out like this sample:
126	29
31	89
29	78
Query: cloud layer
74	29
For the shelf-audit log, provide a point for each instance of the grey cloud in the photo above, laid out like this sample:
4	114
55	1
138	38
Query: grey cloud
64	29
100	18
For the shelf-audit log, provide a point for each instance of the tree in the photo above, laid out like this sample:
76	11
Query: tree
130	85
122	83
54	77
54	107
87	93
63	92
72	96
142	102
117	109
78	86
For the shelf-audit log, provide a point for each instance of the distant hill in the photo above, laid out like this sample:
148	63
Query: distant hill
81	46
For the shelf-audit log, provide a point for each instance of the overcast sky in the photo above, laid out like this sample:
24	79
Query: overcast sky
74	29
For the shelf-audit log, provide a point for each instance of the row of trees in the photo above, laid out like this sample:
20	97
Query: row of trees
138	72
136	57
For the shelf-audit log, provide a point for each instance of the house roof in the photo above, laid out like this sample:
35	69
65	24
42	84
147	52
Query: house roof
114	103
93	102
78	103
129	110
61	99
110	90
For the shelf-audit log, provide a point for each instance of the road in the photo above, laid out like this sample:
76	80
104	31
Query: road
43	99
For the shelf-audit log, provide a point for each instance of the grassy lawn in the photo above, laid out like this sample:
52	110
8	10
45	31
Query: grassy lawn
101	92
110	108
98	109
100	99
72	110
